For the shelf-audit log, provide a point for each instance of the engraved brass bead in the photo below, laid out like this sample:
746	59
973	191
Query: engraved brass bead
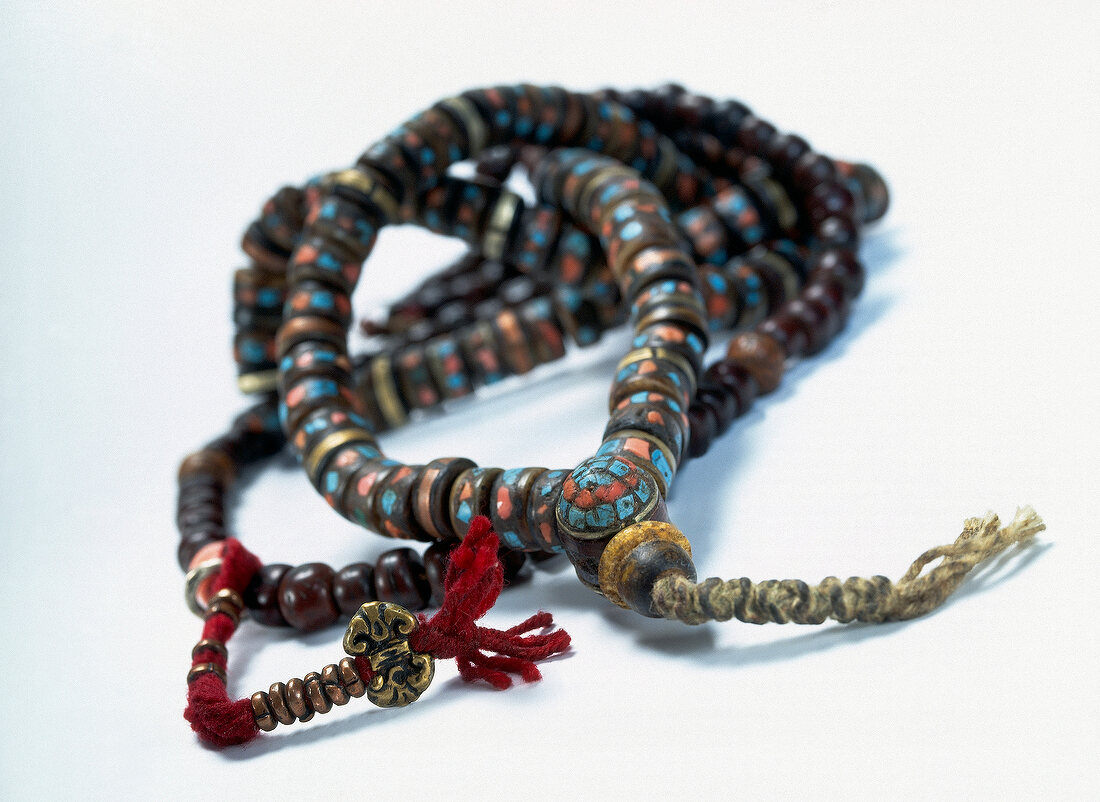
380	632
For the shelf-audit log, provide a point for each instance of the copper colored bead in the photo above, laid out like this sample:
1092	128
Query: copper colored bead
761	356
315	692
334	688
276	697
349	676
297	701
305	597
212	463
205	668
261	712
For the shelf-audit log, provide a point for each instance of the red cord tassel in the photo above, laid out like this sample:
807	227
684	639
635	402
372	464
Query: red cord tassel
474	580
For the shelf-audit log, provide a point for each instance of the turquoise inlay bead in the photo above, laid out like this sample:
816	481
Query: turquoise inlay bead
268	297
252	351
389	498
625	507
543	132
511	539
327	261
332	481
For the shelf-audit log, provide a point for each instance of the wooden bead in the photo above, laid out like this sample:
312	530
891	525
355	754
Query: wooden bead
353	586
432	495
761	356
261	597
615	560
471	495
541	515
395	503
305	597
508	510
436	559
399	577
647	563
208	463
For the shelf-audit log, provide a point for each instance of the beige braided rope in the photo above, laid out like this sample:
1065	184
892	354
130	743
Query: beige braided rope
856	599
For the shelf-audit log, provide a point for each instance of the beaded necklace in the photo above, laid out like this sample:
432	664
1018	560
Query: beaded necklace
610	171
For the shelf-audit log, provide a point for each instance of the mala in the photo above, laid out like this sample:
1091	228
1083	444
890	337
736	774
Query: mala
684	215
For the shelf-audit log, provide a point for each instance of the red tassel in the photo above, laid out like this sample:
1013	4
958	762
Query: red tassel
213	715
473	583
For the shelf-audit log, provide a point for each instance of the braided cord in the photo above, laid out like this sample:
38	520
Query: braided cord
873	599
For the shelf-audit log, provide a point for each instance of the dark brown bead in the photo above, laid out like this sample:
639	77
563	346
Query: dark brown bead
735	380
788	332
399	577
644	565
261	597
352	587
755	134
704	428
305	597
812	169
512	561
722	403
814	322
436	558
761	356
830	199
840	264
829	296
194	541
837	232
785	149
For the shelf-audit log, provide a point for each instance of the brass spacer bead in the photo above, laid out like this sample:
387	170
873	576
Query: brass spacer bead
362	182
205	668
225	602
263	381
331	442
385	391
496	233
614	556
210	645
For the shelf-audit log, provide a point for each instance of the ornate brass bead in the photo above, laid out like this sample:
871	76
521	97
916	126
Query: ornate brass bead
380	632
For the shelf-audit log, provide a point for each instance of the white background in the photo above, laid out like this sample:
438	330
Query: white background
139	138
